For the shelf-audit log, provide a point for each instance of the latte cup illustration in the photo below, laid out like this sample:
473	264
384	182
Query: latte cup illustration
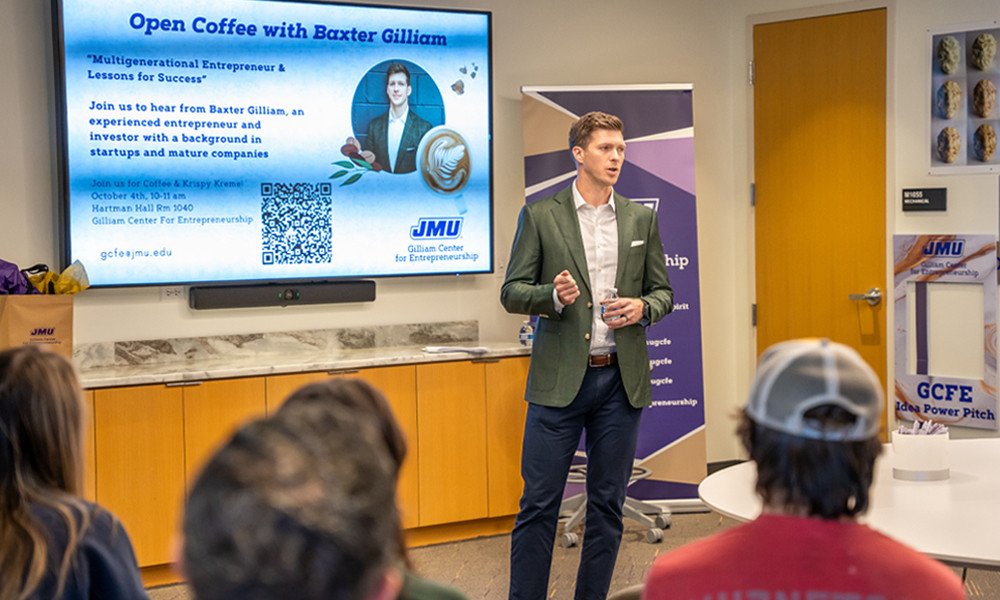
444	163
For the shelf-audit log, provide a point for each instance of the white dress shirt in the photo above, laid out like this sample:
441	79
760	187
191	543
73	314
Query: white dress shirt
599	229
394	136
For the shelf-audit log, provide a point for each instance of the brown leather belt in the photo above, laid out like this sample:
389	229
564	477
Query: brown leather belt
602	360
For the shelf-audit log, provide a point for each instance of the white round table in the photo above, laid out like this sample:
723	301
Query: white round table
954	520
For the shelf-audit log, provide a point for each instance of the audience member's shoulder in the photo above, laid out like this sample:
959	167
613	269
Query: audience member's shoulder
899	560
418	588
100	521
704	551
104	564
110	558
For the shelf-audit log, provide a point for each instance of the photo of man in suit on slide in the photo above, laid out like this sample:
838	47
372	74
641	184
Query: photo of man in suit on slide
394	136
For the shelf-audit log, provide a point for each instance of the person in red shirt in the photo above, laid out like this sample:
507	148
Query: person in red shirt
811	425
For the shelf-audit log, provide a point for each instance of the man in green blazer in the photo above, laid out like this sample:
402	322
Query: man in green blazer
589	364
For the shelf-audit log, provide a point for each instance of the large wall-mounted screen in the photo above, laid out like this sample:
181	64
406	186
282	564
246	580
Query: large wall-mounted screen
250	140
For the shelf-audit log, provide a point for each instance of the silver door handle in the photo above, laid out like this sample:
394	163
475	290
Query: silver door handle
873	296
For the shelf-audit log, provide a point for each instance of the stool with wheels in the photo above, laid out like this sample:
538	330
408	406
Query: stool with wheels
574	508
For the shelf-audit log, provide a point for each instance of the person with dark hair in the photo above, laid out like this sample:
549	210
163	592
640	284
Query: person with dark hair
348	402
53	544
811	426
323	409
572	254
280	513
393	137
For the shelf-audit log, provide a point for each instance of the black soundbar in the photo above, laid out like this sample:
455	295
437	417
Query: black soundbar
277	294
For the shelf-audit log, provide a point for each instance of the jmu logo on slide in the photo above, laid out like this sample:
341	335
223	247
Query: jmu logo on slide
437	229
43	331
952	248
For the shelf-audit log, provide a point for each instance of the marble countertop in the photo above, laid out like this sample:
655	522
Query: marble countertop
222	367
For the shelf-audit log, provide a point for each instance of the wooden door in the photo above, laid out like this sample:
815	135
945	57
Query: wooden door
819	168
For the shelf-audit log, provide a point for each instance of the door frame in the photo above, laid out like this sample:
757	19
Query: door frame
890	171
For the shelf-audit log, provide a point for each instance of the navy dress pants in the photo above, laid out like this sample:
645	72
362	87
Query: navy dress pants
551	437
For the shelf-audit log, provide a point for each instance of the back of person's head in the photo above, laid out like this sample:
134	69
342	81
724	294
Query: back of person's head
332	404
584	127
282	513
327	407
41	424
811	425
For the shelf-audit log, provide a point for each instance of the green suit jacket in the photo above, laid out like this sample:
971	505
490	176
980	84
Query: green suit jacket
547	241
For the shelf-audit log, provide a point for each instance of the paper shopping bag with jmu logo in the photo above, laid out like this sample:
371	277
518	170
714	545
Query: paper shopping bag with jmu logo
37	319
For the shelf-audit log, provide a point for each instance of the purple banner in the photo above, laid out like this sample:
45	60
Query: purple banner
659	173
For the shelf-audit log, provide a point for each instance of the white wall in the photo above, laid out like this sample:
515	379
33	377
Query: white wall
556	42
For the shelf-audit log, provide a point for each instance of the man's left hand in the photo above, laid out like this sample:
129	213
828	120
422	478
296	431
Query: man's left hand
629	308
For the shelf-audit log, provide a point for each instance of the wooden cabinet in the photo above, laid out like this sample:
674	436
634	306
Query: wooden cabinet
463	422
139	455
280	387
150	441
505	411
451	439
213	411
399	385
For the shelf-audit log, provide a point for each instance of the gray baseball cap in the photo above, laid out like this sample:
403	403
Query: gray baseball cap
796	376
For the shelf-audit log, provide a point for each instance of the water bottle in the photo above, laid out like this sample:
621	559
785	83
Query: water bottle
527	334
611	294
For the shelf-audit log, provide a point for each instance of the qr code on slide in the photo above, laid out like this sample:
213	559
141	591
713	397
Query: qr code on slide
296	223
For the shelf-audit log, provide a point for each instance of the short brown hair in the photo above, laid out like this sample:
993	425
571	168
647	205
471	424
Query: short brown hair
580	131
824	479
329	404
282	512
395	68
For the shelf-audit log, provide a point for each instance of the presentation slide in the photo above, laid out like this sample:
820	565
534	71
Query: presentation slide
246	140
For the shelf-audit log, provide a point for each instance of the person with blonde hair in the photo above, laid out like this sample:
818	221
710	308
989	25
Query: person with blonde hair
54	544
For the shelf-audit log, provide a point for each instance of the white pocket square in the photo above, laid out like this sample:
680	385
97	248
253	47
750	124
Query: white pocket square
638	243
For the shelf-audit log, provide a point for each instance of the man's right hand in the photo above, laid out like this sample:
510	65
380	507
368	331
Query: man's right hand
566	288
